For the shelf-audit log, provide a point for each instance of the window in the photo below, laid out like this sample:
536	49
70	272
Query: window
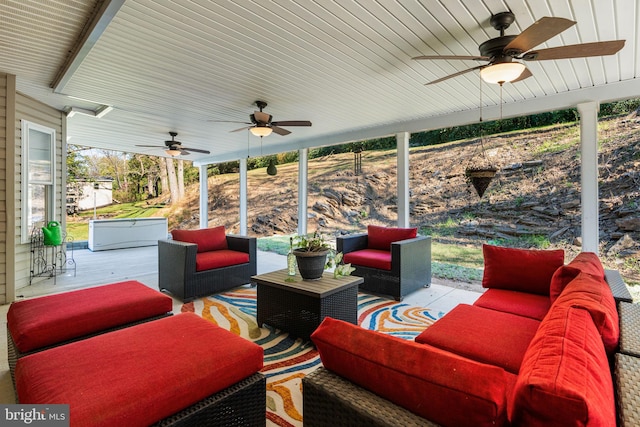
38	176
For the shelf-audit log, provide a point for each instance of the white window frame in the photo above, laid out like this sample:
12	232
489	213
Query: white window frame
48	181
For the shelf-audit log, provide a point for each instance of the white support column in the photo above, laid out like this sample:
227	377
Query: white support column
243	196
303	177
402	140
204	197
589	175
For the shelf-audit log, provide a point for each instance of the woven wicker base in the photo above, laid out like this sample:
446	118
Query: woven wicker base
242	404
329	400
627	383
629	328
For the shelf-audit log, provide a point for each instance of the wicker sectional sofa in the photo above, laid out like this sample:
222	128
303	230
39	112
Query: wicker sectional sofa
536	349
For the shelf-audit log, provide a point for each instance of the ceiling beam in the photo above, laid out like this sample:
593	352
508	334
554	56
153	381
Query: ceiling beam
100	20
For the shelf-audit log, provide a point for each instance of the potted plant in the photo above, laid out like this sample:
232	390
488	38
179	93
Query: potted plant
314	254
311	255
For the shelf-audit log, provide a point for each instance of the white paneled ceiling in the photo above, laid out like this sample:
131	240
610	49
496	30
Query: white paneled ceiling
345	65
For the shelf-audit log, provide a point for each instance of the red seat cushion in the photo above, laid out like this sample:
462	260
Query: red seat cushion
483	335
372	258
565	378
207	239
587	262
53	319
594	295
520	303
138	375
382	237
522	270
437	385
220	258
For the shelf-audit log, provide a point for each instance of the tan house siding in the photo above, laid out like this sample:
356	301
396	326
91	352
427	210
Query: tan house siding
3	187
36	112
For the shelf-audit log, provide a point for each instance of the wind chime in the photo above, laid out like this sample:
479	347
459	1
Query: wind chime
480	171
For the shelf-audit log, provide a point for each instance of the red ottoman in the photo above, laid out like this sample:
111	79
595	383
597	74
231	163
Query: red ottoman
37	324
168	369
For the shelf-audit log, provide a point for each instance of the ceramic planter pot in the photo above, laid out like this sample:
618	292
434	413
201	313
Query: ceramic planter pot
311	264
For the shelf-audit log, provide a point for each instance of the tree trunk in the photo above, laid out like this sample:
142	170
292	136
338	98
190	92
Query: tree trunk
164	180
173	181
151	185
181	178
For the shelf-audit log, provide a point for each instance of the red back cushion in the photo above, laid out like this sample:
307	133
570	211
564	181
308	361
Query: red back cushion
594	295
523	270
382	237
587	262
440	386
207	239
564	379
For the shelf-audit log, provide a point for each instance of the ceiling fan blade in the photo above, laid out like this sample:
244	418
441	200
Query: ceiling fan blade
468	58
539	32
239	129
196	150
292	123
459	73
280	131
228	121
184	152
575	51
524	75
262	117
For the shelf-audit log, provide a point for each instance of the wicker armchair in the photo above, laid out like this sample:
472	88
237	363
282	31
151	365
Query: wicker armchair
410	265
177	268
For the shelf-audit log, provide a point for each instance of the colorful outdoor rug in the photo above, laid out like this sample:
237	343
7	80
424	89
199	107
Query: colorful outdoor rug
287	360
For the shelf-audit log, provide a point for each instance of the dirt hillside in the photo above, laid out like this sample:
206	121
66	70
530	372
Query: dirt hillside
534	196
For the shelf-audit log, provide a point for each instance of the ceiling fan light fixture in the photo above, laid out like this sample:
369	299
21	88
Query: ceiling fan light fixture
261	131
502	72
172	152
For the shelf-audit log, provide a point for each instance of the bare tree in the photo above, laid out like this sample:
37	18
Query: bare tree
181	178
164	180
173	181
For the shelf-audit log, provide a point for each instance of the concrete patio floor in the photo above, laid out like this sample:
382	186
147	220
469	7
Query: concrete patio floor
102	267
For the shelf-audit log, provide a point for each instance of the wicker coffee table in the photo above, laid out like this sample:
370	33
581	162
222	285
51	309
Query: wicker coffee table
299	306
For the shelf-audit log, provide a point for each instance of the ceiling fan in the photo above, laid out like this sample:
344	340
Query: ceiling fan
175	148
262	125
500	52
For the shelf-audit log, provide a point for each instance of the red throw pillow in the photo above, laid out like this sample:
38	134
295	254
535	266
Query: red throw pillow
382	237
565	378
207	239
587	262
524	270
594	295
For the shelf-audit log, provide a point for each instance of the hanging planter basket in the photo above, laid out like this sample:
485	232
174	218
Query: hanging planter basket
480	177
